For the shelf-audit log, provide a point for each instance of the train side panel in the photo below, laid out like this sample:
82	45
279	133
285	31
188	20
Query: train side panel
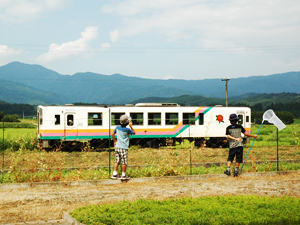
85	123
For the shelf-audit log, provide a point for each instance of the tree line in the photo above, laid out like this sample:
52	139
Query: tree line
286	111
11	112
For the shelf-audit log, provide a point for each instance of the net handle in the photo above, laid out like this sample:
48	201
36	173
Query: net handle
251	146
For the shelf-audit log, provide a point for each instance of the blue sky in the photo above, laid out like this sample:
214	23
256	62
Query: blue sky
159	39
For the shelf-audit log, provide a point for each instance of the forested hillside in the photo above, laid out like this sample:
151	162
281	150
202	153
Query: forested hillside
35	84
289	102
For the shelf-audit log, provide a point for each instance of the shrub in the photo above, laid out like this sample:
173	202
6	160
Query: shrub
11	118
203	210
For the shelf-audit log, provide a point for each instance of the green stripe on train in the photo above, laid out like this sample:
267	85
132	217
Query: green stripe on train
204	112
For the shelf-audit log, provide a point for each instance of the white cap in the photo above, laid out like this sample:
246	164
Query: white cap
124	119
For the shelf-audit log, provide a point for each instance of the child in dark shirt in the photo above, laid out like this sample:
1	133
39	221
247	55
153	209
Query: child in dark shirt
236	146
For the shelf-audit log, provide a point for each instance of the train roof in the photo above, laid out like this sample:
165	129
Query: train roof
137	105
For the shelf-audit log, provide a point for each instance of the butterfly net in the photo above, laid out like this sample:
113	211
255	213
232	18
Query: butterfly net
270	116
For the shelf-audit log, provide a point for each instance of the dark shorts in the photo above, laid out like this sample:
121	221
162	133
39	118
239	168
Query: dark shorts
121	155
238	152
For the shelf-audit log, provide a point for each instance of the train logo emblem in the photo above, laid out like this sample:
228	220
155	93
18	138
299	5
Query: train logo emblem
220	118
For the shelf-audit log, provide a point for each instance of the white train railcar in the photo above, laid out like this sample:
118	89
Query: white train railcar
154	123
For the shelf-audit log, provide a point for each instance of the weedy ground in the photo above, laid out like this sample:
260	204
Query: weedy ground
27	162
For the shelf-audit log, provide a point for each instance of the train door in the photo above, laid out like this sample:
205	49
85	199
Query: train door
38	124
70	130
241	119
245	121
188	119
39	121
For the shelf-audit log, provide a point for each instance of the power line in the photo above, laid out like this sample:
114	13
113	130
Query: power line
150	49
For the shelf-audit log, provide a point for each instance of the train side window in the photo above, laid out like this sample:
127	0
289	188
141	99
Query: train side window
201	118
171	118
94	119
57	120
188	118
70	120
247	119
137	118
154	118
115	118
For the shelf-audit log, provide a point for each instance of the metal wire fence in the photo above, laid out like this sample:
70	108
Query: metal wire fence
23	155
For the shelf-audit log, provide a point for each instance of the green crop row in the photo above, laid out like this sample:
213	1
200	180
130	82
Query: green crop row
204	210
18	125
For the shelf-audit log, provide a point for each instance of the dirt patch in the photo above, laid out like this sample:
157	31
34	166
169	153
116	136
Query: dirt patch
50	203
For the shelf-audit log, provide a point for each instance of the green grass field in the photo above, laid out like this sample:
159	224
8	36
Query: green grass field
16	133
267	135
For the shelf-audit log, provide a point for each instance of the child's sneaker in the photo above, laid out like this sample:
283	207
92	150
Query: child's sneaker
114	177
124	177
236	173
227	172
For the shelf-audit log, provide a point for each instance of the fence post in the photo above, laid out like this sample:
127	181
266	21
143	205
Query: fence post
3	152
191	161
109	140
277	152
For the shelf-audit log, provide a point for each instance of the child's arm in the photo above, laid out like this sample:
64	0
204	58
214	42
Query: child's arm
233	138
130	125
250	135
115	140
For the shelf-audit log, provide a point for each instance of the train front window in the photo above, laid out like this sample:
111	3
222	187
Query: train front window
137	118
154	118
171	118
94	119
188	119
115	118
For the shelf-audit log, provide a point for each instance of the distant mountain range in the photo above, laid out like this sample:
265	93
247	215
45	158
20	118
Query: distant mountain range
34	84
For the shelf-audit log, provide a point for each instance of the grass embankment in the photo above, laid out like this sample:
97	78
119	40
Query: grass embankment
204	210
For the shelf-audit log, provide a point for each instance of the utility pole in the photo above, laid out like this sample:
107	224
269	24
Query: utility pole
226	85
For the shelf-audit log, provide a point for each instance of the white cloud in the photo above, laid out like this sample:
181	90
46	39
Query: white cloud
7	54
168	77
218	23
23	10
72	48
106	46
114	35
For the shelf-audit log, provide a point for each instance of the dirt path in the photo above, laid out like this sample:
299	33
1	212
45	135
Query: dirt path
50	203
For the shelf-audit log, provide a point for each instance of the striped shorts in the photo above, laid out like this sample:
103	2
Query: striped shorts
121	155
